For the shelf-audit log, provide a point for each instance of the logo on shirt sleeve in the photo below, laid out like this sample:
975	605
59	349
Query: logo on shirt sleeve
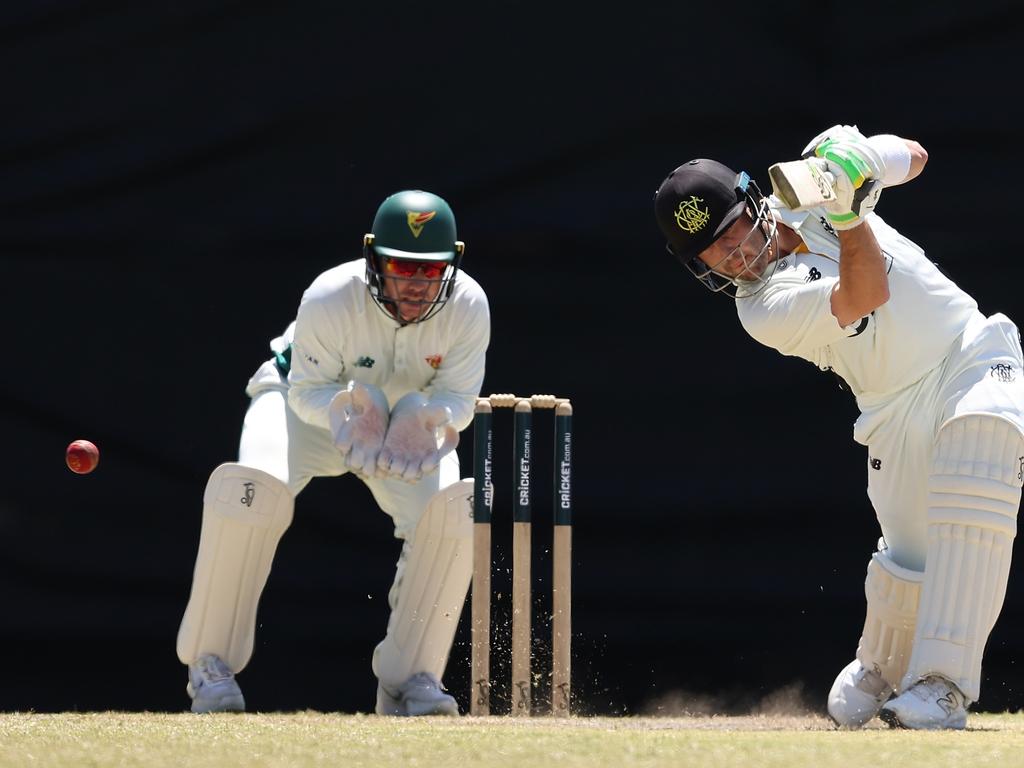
434	361
1004	373
365	362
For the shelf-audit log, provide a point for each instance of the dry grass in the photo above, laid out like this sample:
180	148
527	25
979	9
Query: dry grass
309	739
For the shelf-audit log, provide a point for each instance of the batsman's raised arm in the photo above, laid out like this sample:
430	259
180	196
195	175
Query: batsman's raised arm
863	283
860	168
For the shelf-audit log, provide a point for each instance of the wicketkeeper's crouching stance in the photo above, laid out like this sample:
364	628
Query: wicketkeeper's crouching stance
939	385
377	391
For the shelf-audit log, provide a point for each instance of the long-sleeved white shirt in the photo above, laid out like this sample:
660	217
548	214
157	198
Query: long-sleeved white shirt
890	349
341	336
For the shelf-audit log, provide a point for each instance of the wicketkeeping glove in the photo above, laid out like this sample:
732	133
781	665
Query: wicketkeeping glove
358	418
419	436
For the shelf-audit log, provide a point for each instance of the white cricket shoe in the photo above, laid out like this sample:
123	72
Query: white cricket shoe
932	703
212	686
856	696
421	694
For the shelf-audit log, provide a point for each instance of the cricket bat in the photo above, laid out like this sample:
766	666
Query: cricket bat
802	184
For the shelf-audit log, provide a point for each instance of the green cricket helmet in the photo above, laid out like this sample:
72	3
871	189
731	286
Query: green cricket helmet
412	226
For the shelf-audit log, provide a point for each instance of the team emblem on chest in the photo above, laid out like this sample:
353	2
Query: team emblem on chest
434	361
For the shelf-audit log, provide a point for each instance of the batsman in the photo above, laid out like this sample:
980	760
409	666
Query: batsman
376	376
938	384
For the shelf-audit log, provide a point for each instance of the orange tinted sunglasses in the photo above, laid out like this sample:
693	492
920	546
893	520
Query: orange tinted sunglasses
432	270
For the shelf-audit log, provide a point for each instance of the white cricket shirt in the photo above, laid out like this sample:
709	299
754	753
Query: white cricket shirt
879	355
341	335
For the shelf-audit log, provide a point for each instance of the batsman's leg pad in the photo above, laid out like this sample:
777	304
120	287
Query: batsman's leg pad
974	492
245	513
892	598
429	590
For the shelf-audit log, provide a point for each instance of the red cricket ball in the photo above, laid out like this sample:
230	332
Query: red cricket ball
82	457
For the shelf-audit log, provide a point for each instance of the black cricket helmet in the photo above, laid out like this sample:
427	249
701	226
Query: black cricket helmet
696	204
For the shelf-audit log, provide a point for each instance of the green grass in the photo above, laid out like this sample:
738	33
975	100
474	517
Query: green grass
304	740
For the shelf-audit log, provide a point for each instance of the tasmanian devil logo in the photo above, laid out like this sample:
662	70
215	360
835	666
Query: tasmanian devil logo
417	219
250	493
434	361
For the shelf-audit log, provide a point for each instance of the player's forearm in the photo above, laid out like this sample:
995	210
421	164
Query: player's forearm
311	403
863	283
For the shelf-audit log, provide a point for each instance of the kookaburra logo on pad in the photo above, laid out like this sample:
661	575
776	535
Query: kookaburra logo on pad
250	494
690	216
417	219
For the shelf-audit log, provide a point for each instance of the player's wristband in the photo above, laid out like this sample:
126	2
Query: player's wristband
895	156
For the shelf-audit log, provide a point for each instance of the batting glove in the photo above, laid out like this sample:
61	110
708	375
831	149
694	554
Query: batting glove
852	204
835	133
857	169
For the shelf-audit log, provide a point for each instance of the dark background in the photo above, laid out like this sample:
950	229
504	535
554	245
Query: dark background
172	178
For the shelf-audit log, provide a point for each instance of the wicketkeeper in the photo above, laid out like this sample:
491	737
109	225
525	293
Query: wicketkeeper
377	376
938	384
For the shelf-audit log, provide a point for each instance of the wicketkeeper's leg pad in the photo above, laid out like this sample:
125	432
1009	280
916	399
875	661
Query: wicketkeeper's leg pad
245	513
429	590
892	598
974	492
